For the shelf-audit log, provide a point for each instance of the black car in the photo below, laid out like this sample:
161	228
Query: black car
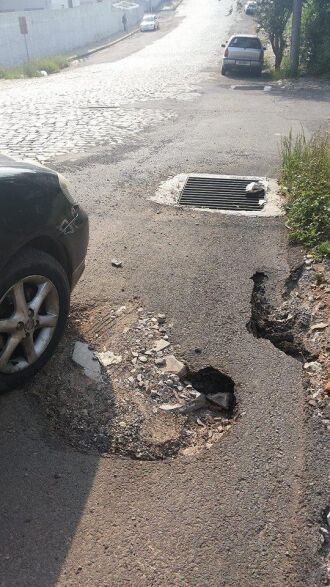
43	244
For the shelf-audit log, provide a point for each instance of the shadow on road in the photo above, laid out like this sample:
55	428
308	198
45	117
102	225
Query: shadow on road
248	75
292	89
43	492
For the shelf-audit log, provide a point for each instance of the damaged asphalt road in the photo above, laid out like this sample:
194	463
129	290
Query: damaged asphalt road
246	511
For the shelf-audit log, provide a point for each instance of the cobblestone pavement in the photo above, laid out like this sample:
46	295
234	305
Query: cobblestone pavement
107	104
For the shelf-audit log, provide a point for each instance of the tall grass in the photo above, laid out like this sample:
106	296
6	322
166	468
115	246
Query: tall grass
305	180
285	70
33	68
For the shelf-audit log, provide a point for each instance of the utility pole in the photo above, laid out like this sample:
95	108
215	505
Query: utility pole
295	36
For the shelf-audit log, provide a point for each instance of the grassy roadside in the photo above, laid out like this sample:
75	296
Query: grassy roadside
34	68
276	74
305	182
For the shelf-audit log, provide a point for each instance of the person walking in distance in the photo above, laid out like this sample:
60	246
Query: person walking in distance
124	21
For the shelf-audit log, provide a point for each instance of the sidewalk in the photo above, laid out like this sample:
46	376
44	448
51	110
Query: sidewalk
87	50
112	40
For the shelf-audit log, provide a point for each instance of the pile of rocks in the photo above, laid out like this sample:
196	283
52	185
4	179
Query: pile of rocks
314	291
123	389
142	360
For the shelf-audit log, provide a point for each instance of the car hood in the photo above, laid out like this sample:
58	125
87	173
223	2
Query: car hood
9	166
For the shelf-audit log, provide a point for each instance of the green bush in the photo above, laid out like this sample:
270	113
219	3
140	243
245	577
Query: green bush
305	180
30	70
316	37
323	250
33	68
285	70
52	64
11	73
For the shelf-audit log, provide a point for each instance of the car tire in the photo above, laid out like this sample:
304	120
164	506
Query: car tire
32	265
223	70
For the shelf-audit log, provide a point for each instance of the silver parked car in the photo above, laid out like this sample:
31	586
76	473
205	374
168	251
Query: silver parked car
250	7
243	52
149	23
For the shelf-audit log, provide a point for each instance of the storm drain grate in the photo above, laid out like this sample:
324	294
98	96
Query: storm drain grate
220	193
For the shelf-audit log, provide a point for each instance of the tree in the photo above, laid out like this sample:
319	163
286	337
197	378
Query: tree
316	36
273	16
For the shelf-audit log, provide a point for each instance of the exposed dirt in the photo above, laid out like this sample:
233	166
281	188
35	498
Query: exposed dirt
300	326
135	409
285	326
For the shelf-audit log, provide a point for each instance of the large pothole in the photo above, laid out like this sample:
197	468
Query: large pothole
143	402
285	326
217	388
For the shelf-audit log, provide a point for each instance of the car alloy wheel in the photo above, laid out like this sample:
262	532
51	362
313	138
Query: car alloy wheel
29	313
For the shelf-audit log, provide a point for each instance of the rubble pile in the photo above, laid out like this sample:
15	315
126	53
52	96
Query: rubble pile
314	290
120	386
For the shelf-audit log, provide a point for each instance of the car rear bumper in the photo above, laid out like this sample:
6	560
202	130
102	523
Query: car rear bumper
241	63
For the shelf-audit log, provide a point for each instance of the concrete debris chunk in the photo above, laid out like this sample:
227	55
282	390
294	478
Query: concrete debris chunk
160	345
161	318
223	399
109	358
198	403
143	359
172	365
319	326
160	362
169	407
85	358
255	187
313	366
116	263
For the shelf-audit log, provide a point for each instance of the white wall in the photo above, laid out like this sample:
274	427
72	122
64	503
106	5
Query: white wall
54	32
150	4
11	5
17	5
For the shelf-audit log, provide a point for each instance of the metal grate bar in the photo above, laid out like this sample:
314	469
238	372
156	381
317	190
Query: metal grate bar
220	193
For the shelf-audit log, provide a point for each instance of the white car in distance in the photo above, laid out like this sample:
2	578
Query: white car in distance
149	23
250	7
